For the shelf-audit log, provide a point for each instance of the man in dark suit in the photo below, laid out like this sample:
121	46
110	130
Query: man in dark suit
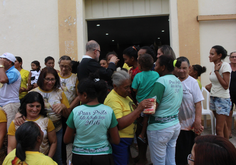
89	63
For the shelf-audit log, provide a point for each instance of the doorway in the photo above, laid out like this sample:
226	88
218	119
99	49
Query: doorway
118	34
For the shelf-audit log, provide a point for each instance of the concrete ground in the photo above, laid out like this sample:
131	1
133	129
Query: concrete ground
207	131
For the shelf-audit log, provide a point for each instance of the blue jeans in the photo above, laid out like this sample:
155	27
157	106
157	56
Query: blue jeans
121	151
162	145
57	156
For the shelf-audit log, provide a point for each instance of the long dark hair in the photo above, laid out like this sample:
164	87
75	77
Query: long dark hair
30	98
26	138
19	59
214	150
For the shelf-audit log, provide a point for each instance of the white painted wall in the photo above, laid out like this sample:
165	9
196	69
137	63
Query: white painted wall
221	32
29	29
174	27
82	34
215	7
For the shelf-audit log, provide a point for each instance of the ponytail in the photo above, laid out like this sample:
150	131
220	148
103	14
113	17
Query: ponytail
167	61
20	152
200	69
93	86
101	90
26	138
132	51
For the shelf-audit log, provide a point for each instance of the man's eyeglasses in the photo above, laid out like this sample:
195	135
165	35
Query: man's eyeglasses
97	50
232	56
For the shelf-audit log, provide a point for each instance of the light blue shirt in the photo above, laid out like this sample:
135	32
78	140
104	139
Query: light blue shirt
168	91
12	74
9	92
91	124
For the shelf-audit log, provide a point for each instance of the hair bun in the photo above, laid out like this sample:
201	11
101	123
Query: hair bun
203	69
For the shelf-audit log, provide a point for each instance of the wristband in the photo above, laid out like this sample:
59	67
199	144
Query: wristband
216	71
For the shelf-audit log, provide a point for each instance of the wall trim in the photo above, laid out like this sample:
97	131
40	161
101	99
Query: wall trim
216	17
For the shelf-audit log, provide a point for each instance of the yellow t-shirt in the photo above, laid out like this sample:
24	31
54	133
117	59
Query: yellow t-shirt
45	125
24	81
126	66
32	157
121	107
199	83
3	117
69	86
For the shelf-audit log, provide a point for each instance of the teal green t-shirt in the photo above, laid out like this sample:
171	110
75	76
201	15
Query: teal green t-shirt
168	92
143	82
91	124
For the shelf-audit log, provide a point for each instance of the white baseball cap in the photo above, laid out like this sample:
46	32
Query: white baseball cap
8	56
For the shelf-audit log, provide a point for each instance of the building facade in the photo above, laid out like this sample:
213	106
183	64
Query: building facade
36	29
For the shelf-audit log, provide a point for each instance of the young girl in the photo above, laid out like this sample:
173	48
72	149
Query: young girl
196	71
90	122
130	56
34	75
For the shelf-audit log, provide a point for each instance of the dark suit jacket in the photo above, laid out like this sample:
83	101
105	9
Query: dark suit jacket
89	65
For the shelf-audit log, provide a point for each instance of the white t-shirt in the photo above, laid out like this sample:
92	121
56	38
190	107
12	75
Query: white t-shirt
217	90
191	95
68	85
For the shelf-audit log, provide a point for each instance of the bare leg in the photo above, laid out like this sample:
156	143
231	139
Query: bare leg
226	132
229	122
221	126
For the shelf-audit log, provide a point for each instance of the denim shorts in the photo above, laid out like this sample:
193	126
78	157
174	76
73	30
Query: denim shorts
222	106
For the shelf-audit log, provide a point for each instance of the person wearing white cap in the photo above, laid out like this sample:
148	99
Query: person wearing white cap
10	81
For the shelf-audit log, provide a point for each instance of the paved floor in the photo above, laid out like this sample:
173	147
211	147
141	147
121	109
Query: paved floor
207	131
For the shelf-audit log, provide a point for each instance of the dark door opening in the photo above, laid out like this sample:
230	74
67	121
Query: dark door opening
118	34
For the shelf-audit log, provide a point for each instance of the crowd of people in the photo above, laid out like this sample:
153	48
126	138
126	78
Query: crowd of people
92	112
